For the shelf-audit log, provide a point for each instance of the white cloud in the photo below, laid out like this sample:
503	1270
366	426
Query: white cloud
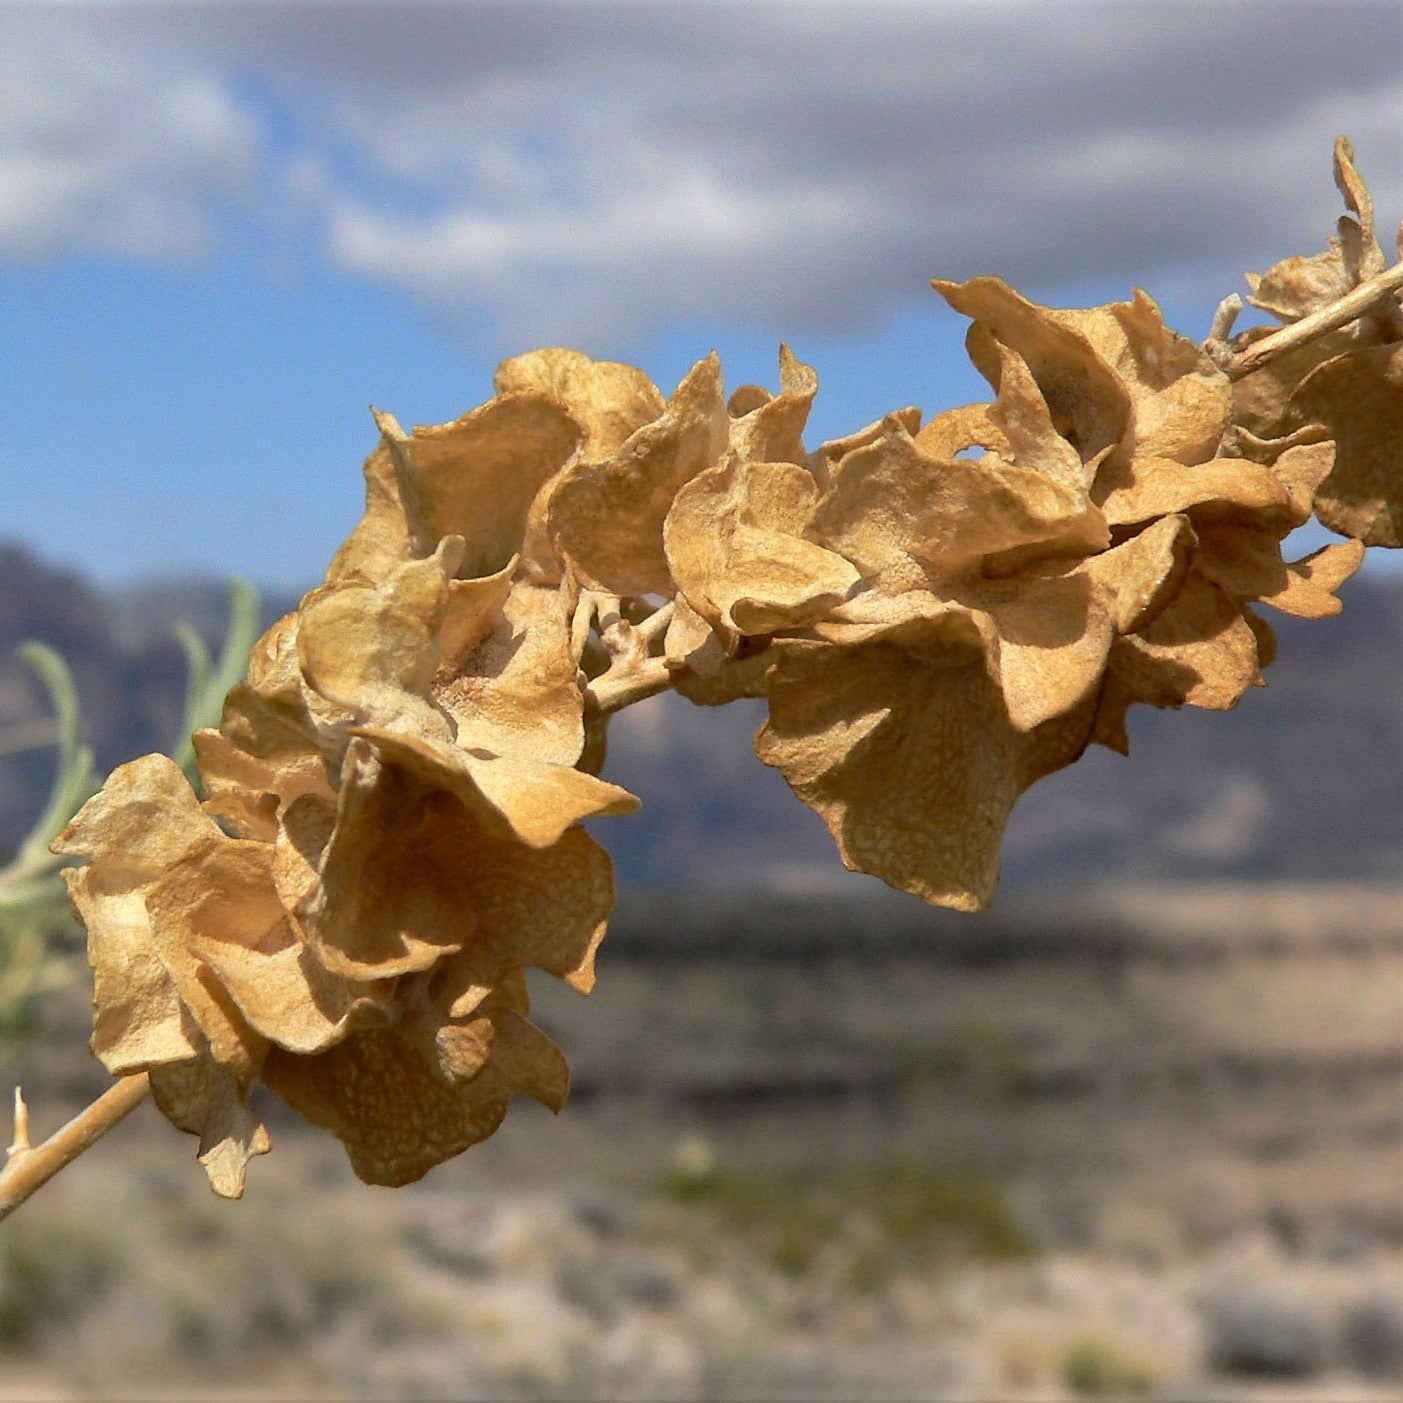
570	169
793	167
683	239
105	149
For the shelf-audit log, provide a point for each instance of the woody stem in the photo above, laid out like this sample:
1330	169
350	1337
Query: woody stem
32	1166
655	625
1339	313
618	689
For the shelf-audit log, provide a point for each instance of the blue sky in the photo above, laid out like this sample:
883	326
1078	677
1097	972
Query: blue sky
226	230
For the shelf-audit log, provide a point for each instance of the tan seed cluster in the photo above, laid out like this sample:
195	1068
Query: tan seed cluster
938	612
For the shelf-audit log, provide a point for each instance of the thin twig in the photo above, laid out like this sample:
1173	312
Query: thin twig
580	623
621	687
608	610
28	1169
1339	313
655	625
618	689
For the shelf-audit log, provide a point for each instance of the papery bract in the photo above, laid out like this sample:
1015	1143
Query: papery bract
938	614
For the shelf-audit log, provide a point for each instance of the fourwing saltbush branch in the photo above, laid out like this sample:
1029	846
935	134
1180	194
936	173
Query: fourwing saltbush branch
391	826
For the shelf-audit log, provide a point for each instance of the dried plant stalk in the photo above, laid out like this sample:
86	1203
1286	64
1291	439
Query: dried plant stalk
1310	328
31	1168
614	691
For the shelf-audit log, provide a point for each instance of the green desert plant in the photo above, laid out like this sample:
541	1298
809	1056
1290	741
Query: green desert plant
38	933
897	1213
1095	1367
36	926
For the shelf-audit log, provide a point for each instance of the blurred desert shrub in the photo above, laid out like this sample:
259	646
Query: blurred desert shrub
40	941
113	1282
1095	1367
861	1223
53	1268
1260	1333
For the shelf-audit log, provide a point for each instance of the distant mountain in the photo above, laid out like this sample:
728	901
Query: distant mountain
124	657
1304	780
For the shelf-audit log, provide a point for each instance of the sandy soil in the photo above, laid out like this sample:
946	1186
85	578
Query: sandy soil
1158	1153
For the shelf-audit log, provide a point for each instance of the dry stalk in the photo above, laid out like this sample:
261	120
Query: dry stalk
618	689
30	1167
1339	313
941	720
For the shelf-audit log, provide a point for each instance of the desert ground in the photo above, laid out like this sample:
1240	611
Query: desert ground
1130	1142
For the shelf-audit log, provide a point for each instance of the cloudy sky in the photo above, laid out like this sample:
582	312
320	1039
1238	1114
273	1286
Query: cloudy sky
226	229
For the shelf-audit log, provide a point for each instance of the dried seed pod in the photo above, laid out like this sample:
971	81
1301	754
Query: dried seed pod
736	548
1358	396
403	776
1347	380
606	515
903	746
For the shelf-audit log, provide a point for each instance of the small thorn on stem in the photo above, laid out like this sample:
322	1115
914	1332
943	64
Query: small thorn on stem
21	1145
1229	309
